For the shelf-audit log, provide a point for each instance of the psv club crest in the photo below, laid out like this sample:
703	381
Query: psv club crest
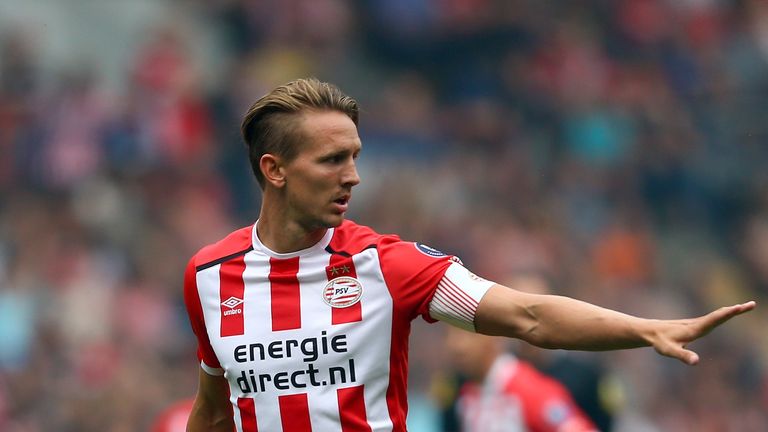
342	292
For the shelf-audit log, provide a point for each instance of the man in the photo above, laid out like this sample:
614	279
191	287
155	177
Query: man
504	393
302	319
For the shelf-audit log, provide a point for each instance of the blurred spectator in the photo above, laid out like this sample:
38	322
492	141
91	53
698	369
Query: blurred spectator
504	393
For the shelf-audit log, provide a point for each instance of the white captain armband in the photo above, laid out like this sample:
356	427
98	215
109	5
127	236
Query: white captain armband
457	295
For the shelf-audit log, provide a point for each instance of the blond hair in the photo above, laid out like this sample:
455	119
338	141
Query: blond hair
270	125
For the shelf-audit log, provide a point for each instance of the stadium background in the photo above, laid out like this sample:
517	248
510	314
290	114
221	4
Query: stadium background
617	147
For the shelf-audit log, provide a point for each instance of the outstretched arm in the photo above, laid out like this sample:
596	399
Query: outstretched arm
550	321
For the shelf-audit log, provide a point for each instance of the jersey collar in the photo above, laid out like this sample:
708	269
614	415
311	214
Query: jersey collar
317	247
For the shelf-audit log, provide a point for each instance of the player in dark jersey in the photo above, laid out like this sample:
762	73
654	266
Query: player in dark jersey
294	362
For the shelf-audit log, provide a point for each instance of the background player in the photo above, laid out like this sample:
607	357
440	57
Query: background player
504	393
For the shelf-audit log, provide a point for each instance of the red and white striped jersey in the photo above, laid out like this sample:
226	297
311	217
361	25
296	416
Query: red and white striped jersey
516	397
318	339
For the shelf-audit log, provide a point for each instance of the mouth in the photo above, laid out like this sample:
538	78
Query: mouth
342	203
342	200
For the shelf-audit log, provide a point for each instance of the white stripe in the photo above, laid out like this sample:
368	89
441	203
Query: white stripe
376	304
257	309
257	305
268	414
208	291
323	407
238	417
446	308
324	410
453	296
447	305
461	295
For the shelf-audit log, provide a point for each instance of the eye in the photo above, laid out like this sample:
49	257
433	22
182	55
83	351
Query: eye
335	158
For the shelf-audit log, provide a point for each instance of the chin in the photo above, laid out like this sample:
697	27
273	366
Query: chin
336	221
331	222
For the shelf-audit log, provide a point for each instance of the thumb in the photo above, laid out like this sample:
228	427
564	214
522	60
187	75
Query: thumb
684	355
688	357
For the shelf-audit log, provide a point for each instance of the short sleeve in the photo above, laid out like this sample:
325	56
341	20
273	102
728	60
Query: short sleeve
205	354
412	272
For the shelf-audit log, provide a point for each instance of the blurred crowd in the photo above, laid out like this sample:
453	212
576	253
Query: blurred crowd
615	148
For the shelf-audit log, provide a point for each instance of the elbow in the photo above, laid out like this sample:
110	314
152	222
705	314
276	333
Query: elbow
531	332
510	313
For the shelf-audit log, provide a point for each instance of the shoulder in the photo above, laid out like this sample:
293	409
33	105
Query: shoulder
529	379
236	243
350	238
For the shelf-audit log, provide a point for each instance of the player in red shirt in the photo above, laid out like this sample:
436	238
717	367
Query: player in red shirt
174	417
303	318
504	393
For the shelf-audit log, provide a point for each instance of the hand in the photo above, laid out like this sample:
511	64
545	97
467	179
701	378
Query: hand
669	338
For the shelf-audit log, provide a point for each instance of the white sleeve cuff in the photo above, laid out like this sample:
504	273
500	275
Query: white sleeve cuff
457	295
211	370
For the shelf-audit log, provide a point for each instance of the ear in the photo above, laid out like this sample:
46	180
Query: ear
272	168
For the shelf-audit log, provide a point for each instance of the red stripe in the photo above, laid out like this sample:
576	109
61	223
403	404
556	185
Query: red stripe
286	304
352	409
345	297
456	295
294	413
448	307
459	291
247	414
451	299
343	266
232	285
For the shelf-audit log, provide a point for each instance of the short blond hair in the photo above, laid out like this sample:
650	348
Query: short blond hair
270	126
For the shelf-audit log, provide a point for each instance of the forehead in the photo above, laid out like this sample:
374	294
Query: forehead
328	130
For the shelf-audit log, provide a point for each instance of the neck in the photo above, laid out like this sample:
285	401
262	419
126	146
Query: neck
484	365
282	234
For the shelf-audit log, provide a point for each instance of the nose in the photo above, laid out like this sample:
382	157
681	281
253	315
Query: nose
350	176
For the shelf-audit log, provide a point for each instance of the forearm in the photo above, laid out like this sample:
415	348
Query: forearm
551	321
201	421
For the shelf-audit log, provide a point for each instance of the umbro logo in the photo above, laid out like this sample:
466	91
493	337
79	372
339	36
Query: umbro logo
232	303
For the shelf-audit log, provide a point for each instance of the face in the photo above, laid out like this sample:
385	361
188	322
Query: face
472	354
319	181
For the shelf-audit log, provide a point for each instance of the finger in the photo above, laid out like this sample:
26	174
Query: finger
689	357
715	318
684	355
678	352
748	306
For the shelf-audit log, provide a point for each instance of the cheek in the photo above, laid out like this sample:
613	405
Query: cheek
312	189
316	189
